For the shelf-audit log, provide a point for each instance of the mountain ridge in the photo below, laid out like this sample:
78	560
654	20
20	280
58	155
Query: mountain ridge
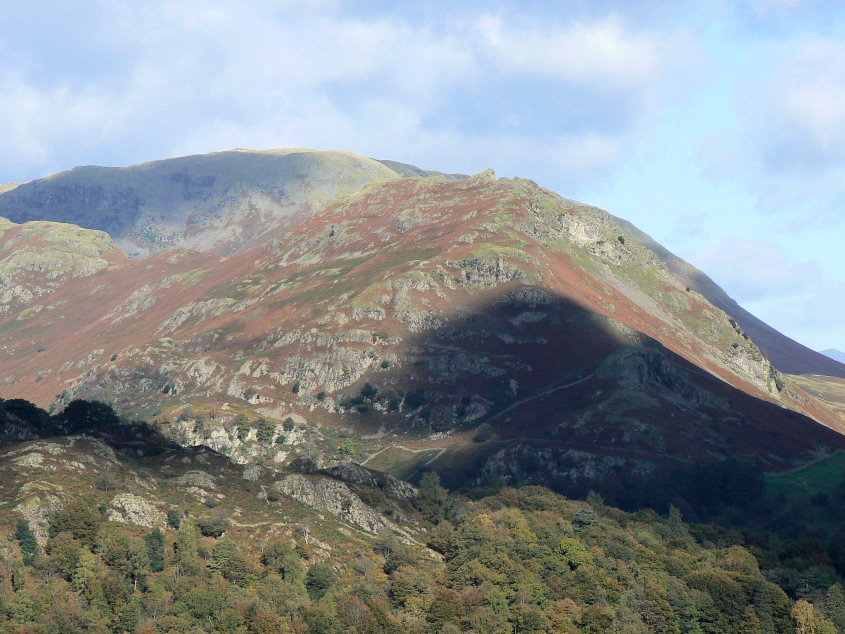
414	311
836	355
787	354
211	202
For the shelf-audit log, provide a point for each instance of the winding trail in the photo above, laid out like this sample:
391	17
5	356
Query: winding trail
542	394
440	451
804	465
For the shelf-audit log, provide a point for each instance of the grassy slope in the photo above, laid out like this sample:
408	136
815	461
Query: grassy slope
153	205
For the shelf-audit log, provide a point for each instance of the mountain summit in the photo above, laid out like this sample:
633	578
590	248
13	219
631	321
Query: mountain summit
482	326
220	203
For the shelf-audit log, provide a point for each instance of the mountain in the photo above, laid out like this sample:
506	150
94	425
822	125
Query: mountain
788	355
836	355
218	202
484	327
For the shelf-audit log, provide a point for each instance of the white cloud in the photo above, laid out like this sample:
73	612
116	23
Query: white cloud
788	144
799	106
752	270
446	93
35	122
602	53
798	297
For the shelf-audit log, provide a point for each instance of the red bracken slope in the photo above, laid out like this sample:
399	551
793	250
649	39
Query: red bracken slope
427	307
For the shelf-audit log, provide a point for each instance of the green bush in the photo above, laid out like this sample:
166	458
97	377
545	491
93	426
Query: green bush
81	414
369	391
174	518
213	526
319	579
154	542
415	399
29	545
432	500
265	430
80	519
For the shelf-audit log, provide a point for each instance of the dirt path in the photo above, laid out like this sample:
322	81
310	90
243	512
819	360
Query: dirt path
542	394
439	450
806	465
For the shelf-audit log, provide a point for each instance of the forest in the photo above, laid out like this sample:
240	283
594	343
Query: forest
499	559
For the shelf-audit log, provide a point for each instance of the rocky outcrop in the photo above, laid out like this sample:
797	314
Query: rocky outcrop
332	497
528	463
486	271
128	508
635	368
40	503
357	475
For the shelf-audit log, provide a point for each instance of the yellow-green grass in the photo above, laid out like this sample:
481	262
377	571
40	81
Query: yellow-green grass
823	476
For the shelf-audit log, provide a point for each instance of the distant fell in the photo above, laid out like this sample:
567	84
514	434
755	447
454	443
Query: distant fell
411	171
836	355
220	203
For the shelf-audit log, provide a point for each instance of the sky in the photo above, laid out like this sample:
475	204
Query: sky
716	127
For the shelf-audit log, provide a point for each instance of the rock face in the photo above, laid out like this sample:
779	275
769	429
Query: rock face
37	510
38	257
636	368
133	509
360	476
333	497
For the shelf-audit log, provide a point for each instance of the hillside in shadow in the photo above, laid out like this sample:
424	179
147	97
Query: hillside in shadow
533	388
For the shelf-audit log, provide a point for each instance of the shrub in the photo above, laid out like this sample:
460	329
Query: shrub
318	580
29	545
174	518
81	414
432	500
227	559
265	431
80	519
213	526
584	518
106	482
154	542
415	399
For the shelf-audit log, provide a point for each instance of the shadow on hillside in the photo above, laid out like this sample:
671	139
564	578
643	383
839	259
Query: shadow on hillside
20	421
536	389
